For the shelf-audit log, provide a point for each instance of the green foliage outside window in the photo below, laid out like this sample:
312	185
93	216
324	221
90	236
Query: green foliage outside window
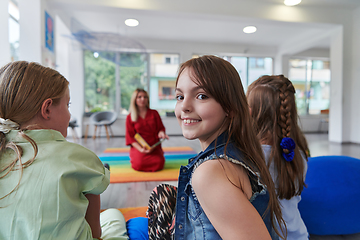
132	75
99	83
100	79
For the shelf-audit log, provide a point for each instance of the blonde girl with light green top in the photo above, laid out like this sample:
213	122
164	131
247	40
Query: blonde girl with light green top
49	188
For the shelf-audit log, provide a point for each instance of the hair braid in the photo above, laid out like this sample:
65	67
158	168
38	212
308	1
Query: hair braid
273	104
285	111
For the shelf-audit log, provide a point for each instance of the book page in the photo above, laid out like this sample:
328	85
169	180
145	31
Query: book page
143	143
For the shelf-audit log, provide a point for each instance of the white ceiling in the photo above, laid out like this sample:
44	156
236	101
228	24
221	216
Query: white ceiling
197	20
332	3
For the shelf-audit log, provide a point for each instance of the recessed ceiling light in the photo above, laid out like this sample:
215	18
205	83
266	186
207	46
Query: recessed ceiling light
249	29
131	22
291	2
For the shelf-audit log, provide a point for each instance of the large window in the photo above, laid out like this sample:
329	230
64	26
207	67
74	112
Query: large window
163	71
14	30
111	78
251	68
311	79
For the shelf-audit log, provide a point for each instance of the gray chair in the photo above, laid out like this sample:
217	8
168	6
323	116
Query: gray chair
105	119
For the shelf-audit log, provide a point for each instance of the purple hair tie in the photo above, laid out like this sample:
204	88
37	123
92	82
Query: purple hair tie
288	145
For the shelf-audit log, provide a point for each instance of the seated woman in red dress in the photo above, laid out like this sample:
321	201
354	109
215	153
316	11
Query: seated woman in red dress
148	124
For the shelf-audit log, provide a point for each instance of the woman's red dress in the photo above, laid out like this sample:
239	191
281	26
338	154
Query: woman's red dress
148	128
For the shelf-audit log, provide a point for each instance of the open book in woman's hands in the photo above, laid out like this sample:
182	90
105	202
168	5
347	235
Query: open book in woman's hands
144	144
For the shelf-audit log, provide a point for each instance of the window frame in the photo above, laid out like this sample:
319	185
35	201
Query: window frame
307	81
122	111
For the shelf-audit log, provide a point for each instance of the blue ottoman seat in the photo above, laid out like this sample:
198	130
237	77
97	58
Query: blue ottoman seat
137	228
330	204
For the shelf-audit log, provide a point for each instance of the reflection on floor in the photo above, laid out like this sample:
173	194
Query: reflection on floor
136	194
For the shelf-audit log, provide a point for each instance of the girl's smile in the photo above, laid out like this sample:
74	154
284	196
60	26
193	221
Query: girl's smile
187	121
199	114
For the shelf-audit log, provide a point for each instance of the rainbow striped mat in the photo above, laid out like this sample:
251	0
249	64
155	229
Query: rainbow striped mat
121	171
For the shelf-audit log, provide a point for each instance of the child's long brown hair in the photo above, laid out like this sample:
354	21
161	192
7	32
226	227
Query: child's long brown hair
221	80
273	107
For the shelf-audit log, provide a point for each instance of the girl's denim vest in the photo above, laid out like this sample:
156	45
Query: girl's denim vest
191	221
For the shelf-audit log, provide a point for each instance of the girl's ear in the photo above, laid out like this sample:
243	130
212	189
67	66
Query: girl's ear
45	108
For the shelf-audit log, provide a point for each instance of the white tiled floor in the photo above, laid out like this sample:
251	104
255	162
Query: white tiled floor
320	146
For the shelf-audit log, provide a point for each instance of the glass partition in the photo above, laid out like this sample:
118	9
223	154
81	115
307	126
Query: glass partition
311	79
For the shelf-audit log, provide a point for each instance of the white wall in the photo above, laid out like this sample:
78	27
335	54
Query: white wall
336	87
5	56
314	52
348	107
355	83
31	30
69	61
314	123
187	49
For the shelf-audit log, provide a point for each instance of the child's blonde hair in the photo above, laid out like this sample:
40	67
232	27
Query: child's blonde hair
273	107
24	86
221	80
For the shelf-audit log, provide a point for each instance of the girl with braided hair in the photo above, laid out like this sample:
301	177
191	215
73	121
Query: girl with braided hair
272	105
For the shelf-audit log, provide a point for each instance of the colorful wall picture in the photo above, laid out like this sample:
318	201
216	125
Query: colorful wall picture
49	32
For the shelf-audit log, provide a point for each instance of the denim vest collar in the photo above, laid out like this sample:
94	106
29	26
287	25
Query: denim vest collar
218	142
